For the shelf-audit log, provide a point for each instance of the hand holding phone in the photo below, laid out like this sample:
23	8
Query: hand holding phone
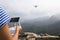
15	25
19	28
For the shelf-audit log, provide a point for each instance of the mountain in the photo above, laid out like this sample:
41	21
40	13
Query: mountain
43	25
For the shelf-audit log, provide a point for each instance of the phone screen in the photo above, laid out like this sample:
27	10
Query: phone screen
13	23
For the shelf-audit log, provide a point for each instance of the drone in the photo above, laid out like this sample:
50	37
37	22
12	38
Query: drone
35	6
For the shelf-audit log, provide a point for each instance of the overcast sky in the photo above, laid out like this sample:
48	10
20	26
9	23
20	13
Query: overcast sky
26	10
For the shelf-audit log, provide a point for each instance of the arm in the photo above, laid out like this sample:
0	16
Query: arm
5	33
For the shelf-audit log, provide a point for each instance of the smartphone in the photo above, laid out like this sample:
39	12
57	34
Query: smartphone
13	23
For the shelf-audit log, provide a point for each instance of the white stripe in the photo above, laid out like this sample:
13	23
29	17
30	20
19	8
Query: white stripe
3	17
5	21
4	13
1	10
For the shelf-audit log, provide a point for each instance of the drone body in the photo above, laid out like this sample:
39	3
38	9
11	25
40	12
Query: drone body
36	6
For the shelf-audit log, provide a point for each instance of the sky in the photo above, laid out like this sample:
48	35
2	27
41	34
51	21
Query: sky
26	8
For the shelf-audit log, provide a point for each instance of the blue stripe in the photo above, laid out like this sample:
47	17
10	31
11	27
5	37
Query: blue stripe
3	14
3	23
1	11
4	19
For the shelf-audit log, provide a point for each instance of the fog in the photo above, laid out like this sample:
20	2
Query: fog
26	8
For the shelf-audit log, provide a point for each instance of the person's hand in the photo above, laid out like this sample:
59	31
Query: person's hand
19	29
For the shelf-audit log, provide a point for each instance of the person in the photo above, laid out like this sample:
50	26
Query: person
4	27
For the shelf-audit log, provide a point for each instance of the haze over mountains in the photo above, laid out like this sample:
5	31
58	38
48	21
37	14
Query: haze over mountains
50	25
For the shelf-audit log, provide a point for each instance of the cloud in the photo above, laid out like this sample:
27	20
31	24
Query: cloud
26	10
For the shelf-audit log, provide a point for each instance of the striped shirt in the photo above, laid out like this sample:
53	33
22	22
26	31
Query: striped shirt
4	18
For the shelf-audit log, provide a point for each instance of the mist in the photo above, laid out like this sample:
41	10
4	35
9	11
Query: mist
26	8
